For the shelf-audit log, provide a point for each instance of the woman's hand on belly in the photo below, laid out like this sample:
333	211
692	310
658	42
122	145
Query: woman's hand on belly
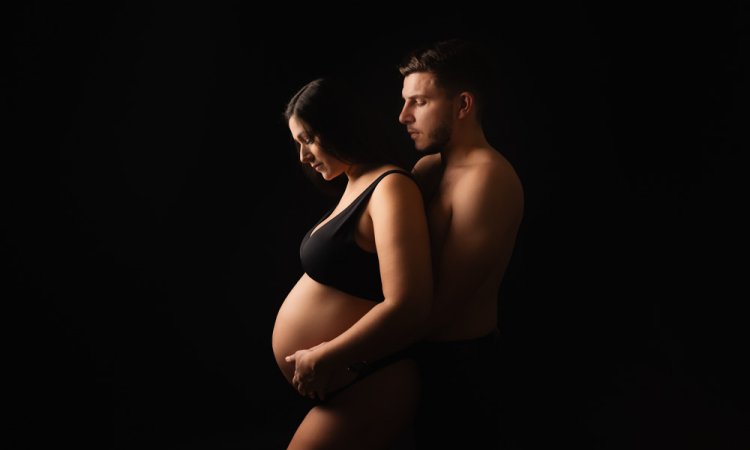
314	376
313	313
311	375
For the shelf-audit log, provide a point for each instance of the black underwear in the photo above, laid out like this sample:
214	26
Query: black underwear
363	370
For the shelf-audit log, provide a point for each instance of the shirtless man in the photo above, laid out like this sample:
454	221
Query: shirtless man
474	202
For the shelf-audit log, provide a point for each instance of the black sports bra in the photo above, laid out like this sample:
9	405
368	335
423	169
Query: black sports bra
331	256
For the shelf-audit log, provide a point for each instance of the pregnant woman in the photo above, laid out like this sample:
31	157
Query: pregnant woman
341	334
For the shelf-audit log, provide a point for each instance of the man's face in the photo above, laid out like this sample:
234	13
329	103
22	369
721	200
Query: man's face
427	112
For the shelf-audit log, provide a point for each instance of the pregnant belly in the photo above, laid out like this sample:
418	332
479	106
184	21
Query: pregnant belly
312	313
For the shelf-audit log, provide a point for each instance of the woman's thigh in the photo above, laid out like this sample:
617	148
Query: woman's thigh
370	414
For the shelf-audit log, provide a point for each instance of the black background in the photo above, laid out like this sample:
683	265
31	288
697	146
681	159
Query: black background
153	211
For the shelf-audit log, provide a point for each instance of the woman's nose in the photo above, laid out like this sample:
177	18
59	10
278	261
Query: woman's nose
304	154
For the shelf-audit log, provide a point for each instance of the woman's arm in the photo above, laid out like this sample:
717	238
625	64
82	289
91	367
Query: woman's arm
402	244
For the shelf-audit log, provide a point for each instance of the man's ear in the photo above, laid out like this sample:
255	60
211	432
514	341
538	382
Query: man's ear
465	104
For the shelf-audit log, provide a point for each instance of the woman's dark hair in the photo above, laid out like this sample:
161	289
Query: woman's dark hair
337	114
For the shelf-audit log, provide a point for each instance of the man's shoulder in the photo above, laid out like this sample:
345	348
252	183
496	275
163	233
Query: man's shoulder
427	163
491	169
428	171
488	182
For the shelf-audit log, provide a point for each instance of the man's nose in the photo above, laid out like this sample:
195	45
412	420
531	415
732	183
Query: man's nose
405	116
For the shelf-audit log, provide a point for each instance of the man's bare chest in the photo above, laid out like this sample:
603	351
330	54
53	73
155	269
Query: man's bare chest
439	215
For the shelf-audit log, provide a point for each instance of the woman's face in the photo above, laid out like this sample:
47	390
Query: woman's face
311	152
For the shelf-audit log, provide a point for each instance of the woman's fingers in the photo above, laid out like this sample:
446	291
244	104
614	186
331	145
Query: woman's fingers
303	384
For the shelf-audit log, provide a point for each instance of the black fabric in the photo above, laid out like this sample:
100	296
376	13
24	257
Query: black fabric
364	370
331	256
461	405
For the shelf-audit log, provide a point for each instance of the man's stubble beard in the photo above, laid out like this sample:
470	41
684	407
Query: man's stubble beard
438	139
